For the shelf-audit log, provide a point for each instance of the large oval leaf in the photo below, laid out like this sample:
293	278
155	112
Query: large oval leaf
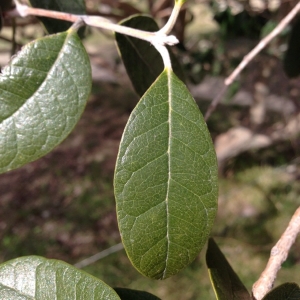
285	291
165	180
42	95
70	6
128	294
142	61
38	278
227	285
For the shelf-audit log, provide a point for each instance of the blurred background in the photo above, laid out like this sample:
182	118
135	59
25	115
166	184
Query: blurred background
62	206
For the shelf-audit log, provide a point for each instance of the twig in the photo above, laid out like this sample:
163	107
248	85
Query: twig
102	254
262	44
96	21
3	38
172	19
14	43
279	254
215	102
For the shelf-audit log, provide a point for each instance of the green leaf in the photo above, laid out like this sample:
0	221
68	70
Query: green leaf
142	61
38	278
165	180
292	55
70	6
128	294
42	95
226	283
286	291
180	2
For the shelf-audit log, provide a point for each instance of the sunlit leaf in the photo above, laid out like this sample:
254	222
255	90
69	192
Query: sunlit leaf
128	294
180	2
142	61
226	283
42	95
71	6
165	180
286	291
292	55
38	278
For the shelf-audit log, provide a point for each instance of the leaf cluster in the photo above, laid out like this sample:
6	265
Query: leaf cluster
165	182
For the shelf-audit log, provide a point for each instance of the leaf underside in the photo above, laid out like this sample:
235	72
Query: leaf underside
42	95
226	283
165	180
142	61
286	291
38	278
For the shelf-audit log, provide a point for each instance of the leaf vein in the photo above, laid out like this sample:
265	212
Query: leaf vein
145	132
145	165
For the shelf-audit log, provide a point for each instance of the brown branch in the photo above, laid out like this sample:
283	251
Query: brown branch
279	254
3	38
39	12
215	102
261	45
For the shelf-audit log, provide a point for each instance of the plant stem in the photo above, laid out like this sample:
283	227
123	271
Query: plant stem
166	29
163	51
96	21
279	254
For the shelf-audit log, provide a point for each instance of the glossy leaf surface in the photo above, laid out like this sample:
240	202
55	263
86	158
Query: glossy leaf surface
226	283
128	294
38	278
42	95
71	6
142	61
286	291
165	180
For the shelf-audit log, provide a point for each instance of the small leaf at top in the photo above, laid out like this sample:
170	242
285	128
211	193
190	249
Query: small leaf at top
226	283
42	95
286	291
142	61
70	6
128	294
38	278
292	56
165	180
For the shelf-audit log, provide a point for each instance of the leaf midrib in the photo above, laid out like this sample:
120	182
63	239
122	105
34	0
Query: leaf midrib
168	73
